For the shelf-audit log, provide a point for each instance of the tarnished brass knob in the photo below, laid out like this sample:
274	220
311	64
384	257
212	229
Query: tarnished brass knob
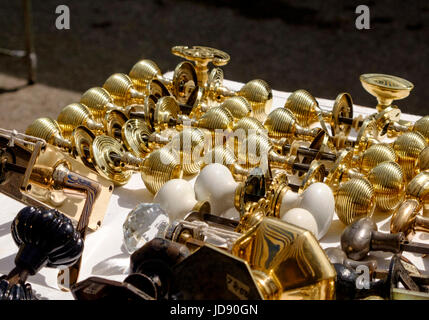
122	90
354	199
99	102
202	56
386	88
76	114
408	147
49	130
114	163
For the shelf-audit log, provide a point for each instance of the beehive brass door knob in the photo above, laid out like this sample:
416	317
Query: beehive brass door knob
202	56
386	88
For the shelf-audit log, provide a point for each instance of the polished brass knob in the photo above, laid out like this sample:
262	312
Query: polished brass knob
257	92
238	106
122	90
282	123
48	130
408	147
304	107
422	126
117	165
143	72
202	56
373	156
354	199
407	219
189	146
76	114
99	102
386	88
387	179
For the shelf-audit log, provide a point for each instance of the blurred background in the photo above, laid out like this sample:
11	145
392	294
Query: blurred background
306	44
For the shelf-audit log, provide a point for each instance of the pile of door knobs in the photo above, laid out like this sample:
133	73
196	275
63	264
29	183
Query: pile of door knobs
268	183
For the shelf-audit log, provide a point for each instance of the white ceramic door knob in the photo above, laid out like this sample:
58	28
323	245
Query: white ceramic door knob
301	218
319	200
289	201
177	198
216	184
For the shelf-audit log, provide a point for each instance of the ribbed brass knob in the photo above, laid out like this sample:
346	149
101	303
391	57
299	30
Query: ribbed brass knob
99	102
114	163
189	146
373	156
282	123
422	126
238	106
49	130
354	199
424	159
303	106
260	96
408	147
122	90
76	114
143	72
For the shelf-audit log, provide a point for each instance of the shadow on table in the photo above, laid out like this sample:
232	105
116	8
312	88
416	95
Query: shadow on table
129	198
116	265
5	229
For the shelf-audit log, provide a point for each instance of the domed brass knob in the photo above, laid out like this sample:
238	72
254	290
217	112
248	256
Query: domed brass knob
114	163
99	102
386	88
422	126
304	107
122	90
408	147
76	114
202	56
407	219
49	130
354	199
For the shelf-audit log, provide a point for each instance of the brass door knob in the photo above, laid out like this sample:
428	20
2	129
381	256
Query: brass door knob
122	90
117	165
76	114
386	88
408	147
99	102
48	130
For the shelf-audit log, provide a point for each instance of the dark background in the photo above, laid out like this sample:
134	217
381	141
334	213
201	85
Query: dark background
292	44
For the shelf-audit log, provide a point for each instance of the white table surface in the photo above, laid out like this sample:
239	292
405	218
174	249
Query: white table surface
104	254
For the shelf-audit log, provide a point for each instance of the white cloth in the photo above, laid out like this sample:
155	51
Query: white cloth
104	254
